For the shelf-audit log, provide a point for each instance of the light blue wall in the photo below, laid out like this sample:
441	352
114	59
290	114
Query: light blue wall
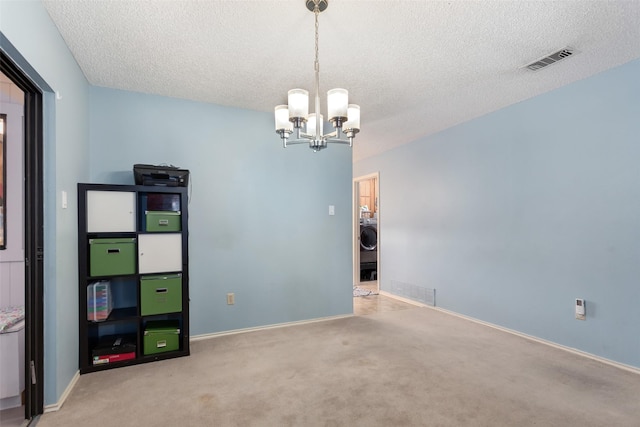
512	216
258	216
27	26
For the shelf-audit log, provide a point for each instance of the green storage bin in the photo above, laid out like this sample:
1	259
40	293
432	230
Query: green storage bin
162	221
160	294
161	336
111	257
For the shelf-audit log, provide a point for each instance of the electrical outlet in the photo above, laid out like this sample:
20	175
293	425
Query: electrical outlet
231	299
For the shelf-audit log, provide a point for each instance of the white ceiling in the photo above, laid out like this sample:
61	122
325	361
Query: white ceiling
415	67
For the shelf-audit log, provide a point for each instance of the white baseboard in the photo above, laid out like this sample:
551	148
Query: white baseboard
613	363
56	406
10	402
262	328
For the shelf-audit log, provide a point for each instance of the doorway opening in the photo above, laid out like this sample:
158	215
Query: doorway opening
26	201
366	239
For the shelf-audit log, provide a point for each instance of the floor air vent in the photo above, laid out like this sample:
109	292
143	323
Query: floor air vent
415	292
551	59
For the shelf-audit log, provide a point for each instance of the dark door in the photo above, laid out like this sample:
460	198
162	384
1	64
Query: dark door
33	237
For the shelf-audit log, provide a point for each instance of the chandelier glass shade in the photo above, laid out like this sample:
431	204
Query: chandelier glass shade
295	116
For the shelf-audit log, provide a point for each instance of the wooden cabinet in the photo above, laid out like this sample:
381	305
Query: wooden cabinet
367	194
133	274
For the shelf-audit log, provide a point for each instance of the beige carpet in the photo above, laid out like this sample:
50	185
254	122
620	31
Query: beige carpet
415	367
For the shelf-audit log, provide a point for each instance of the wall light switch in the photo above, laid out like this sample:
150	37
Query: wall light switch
581	310
65	200
332	210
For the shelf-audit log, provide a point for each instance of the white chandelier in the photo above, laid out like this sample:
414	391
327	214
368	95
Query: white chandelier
345	117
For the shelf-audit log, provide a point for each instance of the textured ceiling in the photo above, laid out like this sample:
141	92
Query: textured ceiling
415	67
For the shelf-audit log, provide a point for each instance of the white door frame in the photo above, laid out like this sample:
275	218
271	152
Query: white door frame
356	226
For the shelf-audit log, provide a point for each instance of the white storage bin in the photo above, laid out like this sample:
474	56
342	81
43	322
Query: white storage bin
159	253
111	211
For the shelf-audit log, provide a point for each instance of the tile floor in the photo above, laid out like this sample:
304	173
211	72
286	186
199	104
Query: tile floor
376	303
13	417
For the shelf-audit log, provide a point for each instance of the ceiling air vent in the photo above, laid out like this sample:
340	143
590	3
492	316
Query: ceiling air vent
551	59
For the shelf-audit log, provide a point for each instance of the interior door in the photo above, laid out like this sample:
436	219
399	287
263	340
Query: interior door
366	226
33	237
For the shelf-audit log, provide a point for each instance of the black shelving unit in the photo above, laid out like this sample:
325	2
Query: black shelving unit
119	212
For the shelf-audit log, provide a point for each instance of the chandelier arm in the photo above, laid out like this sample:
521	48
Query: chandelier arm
332	135
338	136
339	141
335	135
301	138
297	141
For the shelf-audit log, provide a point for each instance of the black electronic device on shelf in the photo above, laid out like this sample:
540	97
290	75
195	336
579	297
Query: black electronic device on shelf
161	175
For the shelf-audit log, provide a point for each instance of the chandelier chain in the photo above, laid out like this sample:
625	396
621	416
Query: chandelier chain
318	135
316	12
